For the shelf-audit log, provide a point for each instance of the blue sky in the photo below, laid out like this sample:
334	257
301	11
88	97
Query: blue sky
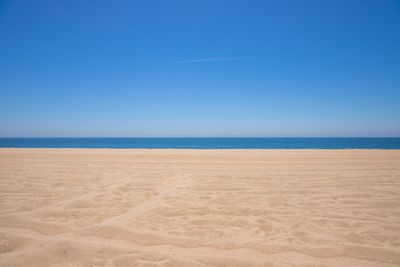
199	68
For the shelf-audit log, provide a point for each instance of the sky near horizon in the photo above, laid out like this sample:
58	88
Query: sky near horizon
199	68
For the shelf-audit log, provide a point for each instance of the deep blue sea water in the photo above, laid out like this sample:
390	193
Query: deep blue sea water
205	143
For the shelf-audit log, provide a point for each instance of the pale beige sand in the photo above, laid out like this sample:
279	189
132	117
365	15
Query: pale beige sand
77	207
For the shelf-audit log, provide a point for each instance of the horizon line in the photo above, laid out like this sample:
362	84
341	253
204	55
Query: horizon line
150	137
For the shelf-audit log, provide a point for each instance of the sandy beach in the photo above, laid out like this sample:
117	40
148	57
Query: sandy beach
132	207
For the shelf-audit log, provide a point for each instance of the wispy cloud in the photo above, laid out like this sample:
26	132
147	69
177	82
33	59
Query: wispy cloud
205	60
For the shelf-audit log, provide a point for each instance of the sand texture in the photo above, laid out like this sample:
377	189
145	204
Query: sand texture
87	207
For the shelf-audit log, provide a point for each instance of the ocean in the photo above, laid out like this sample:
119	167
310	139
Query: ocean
206	143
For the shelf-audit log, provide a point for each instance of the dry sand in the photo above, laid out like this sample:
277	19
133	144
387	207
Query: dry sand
85	207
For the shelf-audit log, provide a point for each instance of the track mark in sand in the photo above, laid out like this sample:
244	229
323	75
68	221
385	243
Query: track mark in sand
170	187
83	196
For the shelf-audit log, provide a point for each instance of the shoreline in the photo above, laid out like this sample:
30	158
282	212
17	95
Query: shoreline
200	149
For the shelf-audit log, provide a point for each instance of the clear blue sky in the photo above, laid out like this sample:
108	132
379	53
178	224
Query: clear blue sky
199	68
